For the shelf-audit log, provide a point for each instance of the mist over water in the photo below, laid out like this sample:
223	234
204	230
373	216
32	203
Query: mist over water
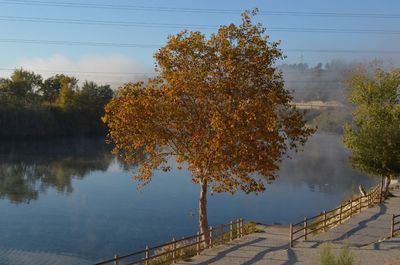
74	197
324	82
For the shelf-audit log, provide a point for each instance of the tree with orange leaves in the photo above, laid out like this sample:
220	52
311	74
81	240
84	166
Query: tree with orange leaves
218	105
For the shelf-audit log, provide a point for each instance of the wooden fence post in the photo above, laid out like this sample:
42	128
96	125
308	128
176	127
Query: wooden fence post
305	228
230	231
173	250
351	208
222	233
241	227
368	200
198	244
359	204
380	190
211	234
373	199
340	213
237	228
392	227
370	195
147	255
115	260
290	236
324	229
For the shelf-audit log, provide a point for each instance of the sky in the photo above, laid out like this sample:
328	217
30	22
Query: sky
91	49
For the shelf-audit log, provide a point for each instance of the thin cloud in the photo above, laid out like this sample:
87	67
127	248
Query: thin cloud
113	69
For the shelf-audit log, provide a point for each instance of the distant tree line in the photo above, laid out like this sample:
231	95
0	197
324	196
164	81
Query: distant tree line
323	82
33	107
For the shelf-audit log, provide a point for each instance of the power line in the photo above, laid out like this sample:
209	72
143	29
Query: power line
336	30
148	73
136	45
94	73
344	51
79	43
193	10
82	72
181	26
104	22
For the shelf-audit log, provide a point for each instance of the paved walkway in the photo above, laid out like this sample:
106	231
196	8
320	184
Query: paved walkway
363	233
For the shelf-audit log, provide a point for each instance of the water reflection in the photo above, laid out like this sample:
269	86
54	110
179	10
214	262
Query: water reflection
84	202
29	168
323	167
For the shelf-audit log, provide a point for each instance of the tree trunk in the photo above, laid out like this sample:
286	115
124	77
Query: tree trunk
362	190
203	222
386	190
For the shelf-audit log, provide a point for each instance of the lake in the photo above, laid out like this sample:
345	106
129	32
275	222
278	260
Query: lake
74	202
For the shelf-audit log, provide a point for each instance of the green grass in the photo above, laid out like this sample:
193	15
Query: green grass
345	256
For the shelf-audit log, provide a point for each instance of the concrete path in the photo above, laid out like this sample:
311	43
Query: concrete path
363	234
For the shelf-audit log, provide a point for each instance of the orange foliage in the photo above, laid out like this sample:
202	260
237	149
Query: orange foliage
219	105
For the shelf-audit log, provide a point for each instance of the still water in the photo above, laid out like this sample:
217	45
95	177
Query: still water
72	201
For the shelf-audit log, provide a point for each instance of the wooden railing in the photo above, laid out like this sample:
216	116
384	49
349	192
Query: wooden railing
395	226
179	249
329	219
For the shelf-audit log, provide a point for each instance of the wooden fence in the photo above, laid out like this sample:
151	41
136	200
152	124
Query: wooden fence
179	249
329	219
395	226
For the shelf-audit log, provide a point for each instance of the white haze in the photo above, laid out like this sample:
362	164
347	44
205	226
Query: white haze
324	82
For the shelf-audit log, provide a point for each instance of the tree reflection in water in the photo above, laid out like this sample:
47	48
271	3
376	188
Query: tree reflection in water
29	168
323	167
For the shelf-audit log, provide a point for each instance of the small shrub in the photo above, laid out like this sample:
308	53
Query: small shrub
327	258
250	227
345	257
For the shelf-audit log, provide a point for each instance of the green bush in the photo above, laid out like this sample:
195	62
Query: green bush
327	258
345	257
